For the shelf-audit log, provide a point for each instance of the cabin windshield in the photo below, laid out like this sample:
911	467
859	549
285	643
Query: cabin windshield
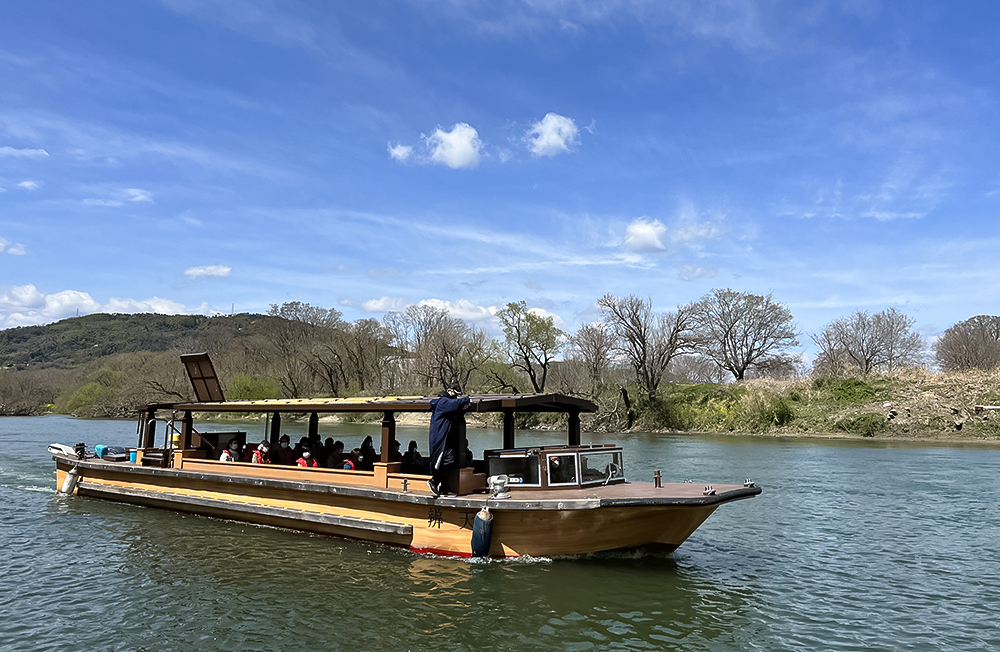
520	467
562	470
600	467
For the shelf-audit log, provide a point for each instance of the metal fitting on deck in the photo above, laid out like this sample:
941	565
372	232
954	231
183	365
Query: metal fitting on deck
657	480
709	490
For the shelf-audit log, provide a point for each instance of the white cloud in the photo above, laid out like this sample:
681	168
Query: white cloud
101	202
552	135
645	235
24	305
28	185
463	309
542	312
138	194
207	270
385	304
458	148
695	272
13	249
23	153
400	152
504	154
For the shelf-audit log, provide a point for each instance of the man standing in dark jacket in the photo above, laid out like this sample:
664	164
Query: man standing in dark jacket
446	413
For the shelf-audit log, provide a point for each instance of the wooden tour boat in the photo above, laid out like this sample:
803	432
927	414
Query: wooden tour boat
542	501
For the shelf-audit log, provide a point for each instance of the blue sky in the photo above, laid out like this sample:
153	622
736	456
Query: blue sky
200	155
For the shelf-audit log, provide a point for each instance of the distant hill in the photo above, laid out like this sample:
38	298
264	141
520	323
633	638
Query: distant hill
73	342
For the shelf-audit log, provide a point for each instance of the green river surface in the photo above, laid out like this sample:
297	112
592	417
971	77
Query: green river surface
853	545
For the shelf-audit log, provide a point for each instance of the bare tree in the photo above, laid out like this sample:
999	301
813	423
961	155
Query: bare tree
530	343
445	351
883	341
646	340
741	331
971	344
592	346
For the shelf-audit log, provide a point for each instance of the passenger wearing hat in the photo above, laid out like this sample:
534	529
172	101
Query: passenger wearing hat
446	414
283	453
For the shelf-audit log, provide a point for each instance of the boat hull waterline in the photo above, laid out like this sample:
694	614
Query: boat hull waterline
535	523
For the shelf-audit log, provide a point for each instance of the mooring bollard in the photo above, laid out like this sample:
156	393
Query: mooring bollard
657	480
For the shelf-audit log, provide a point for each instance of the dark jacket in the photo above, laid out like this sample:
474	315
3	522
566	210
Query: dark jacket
444	413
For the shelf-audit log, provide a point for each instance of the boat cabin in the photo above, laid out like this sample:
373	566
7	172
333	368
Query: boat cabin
572	465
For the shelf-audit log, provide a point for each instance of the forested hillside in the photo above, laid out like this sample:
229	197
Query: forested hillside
73	342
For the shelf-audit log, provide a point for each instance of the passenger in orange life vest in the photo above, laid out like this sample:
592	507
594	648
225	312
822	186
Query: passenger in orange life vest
283	453
307	459
231	454
260	456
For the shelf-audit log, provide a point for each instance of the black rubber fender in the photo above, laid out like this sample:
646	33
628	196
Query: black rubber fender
482	533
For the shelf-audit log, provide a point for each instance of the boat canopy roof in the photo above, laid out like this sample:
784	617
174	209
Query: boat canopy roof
479	403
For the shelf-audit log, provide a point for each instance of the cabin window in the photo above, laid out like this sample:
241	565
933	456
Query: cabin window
562	470
520	468
600	467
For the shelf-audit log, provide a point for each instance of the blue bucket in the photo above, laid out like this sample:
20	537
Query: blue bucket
131	456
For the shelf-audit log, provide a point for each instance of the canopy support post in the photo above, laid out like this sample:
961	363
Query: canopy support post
508	428
313	425
388	435
275	427
574	428
187	427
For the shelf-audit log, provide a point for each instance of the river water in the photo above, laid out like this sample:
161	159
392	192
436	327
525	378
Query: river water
853	545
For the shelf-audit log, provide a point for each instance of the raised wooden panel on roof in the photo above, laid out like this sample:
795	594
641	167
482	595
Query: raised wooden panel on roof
203	377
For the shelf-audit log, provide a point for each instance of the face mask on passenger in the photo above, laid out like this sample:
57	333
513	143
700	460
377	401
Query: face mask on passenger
306	454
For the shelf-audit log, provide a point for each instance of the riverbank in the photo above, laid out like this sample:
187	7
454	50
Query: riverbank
910	405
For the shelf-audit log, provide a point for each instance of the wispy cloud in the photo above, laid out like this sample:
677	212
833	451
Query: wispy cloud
29	185
400	152
552	135
259	19
463	309
23	153
208	270
13	249
138	194
386	304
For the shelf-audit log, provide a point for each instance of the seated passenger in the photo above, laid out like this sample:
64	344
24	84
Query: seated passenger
335	460
307	459
324	456
283	453
395	455
412	460
301	446
260	454
366	456
352	461
231	454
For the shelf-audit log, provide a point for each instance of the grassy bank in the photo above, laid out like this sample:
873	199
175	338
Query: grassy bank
913	404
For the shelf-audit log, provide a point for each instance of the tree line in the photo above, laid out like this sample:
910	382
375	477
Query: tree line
620	361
